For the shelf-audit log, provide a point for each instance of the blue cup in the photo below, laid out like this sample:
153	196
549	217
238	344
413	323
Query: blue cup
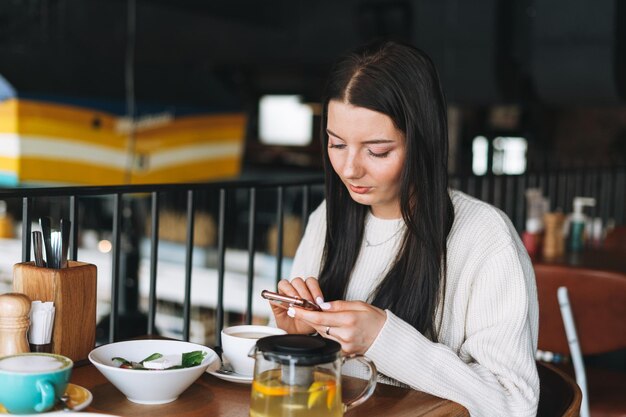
33	382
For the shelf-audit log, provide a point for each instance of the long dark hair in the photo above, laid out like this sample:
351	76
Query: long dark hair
400	81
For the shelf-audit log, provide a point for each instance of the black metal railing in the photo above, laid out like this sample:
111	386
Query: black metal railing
608	186
74	194
507	192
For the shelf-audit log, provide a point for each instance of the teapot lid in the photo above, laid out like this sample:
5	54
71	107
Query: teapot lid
299	349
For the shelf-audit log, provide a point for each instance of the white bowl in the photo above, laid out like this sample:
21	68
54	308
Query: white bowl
153	386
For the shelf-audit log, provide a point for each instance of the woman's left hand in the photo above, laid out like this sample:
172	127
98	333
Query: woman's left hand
354	324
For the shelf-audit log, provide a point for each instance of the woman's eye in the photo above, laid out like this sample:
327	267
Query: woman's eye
336	146
383	154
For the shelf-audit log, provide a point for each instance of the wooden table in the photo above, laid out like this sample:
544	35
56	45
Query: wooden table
598	259
212	397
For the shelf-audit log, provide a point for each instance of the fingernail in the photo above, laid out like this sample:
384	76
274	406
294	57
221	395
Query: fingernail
291	312
319	300
325	306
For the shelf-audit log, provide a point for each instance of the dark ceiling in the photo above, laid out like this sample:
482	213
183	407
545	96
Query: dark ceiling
220	53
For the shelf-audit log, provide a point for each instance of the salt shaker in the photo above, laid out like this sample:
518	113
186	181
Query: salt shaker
14	322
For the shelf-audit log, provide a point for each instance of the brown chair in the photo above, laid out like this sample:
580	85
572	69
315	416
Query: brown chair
598	303
559	395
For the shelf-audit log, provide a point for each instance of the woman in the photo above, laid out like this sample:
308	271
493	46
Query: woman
432	285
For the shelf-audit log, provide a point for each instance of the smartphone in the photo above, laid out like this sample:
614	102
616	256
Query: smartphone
290	301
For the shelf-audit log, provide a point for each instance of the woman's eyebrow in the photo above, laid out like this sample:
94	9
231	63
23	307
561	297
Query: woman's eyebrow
367	142
377	141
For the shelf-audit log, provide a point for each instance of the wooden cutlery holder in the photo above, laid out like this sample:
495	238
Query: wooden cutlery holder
74	293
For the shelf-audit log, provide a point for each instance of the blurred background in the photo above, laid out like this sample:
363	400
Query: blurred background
531	84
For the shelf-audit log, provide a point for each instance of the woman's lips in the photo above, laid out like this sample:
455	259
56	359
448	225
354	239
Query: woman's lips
359	190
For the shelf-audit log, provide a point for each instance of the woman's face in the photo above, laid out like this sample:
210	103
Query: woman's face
367	152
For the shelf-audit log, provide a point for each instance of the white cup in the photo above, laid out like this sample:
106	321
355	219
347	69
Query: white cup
237	341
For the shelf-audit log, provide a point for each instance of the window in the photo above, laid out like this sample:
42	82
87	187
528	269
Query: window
480	154
508	155
285	120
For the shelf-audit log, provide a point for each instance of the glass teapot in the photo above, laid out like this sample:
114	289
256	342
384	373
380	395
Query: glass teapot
300	376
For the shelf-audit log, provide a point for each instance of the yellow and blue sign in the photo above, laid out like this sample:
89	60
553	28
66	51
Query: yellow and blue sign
55	142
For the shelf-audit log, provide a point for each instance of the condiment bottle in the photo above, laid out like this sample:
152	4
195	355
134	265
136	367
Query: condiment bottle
536	206
577	223
553	240
14	322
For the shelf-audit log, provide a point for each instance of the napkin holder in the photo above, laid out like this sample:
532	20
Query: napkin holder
74	292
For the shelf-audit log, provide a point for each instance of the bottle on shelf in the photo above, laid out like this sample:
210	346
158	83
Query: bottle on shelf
553	239
536	206
577	223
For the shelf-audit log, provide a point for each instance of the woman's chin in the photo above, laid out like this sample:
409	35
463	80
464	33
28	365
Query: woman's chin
361	198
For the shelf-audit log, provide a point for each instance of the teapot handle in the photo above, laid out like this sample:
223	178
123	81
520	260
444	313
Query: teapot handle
371	384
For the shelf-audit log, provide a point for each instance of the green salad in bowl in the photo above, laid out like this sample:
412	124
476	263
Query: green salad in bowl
158	361
145	377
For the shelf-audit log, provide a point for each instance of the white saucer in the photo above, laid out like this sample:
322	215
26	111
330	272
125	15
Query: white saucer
234	377
80	397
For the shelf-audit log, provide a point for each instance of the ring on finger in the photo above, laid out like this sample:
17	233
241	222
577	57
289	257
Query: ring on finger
327	331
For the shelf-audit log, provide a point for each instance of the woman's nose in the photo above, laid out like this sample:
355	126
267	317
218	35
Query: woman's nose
353	168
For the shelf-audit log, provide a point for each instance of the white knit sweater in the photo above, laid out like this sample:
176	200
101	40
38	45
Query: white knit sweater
484	359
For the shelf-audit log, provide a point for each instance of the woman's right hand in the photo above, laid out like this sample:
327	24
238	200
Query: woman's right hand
308	289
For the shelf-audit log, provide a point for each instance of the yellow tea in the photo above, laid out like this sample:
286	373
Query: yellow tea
272	398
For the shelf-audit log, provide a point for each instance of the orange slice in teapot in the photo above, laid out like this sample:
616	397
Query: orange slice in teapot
318	390
270	390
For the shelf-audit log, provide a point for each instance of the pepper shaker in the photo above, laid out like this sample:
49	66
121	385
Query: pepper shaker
554	244
14	322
